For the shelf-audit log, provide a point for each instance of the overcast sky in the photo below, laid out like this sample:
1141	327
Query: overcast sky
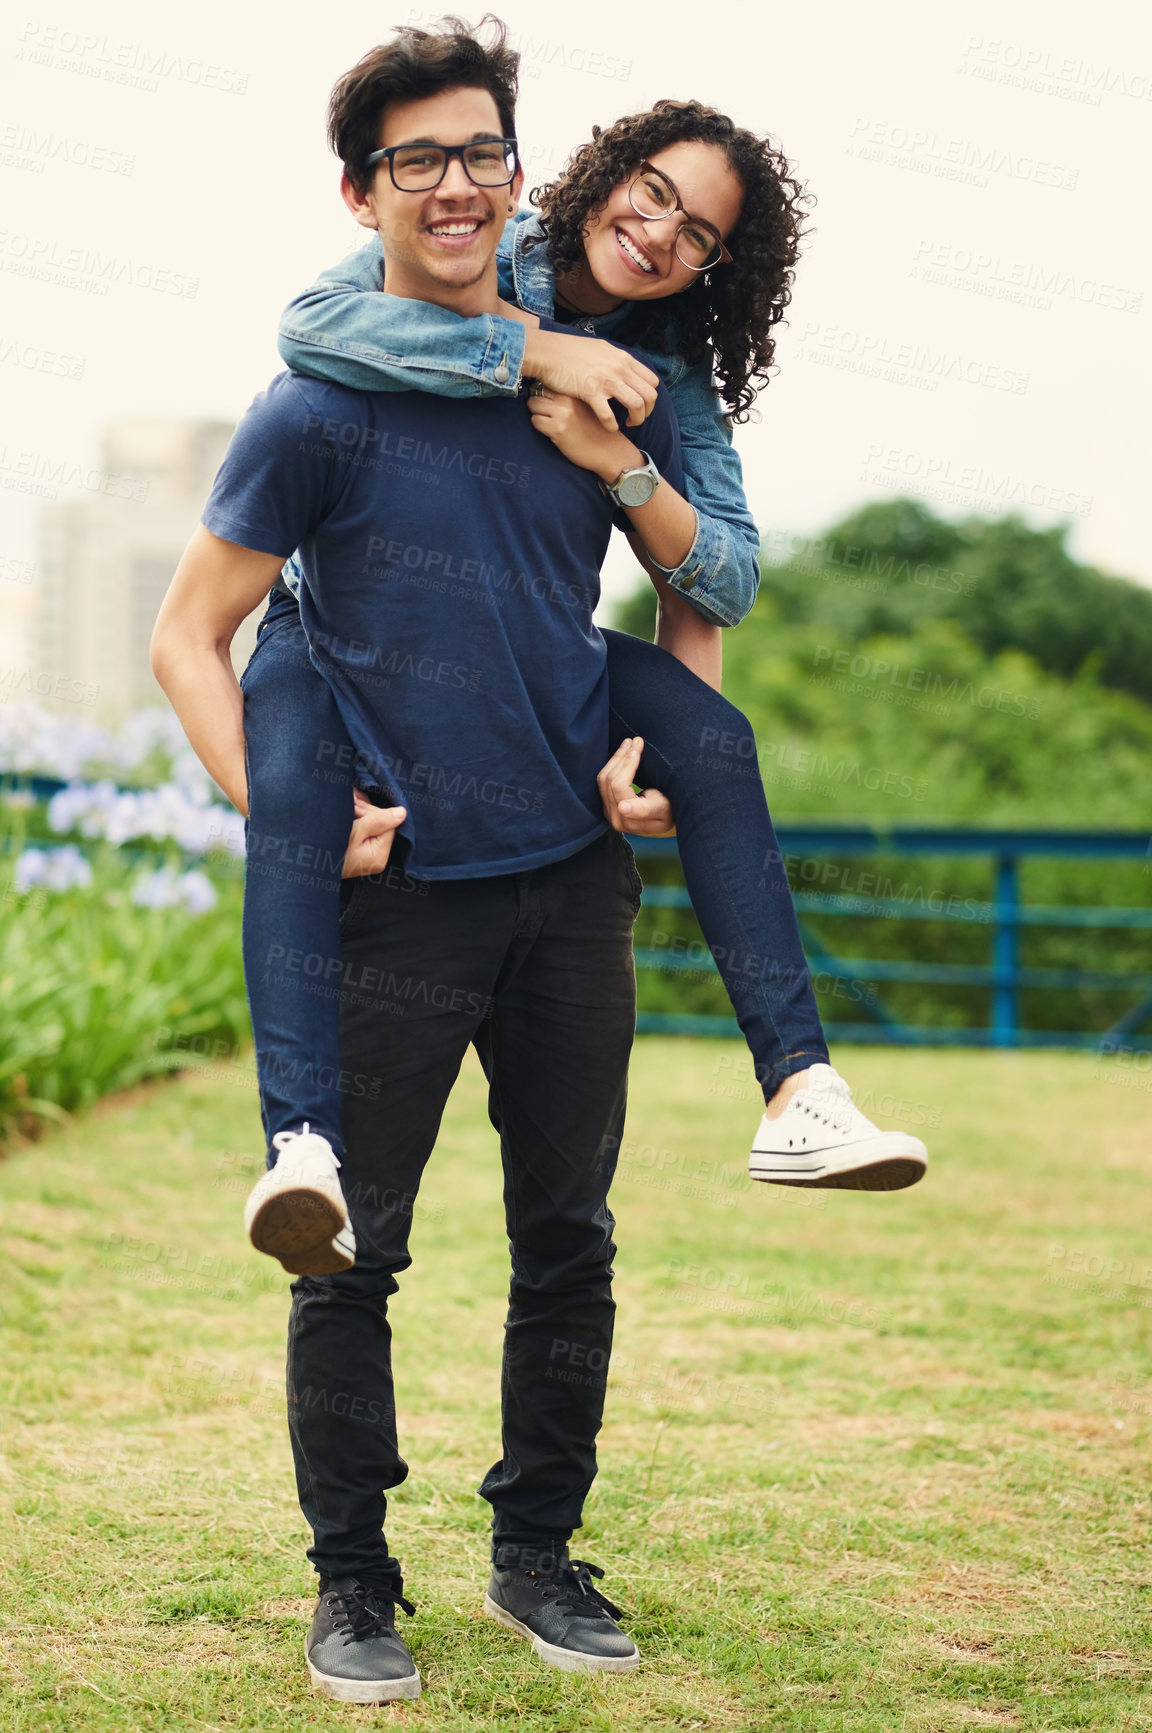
970	319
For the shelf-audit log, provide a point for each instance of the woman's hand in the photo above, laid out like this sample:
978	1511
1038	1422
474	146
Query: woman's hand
370	844
592	371
647	814
575	431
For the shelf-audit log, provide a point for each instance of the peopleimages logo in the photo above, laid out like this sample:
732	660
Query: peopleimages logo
538	57
1029	67
862	568
934	476
396	559
48	260
926	152
545	54
805	762
332	437
25	147
37	472
46	685
33	359
1024	282
15	571
903	362
952	690
137	64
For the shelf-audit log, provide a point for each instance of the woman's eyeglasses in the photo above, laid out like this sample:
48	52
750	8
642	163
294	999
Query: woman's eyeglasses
417	168
698	245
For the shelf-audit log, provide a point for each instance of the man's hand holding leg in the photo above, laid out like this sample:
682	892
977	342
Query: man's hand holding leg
370	844
646	814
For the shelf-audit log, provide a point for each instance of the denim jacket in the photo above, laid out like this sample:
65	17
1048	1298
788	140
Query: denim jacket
335	331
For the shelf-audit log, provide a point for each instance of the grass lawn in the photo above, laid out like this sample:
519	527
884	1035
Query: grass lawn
871	1464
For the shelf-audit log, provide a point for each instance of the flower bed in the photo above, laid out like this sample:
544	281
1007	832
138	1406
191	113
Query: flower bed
120	947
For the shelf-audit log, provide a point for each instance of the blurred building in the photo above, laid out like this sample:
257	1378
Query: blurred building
106	559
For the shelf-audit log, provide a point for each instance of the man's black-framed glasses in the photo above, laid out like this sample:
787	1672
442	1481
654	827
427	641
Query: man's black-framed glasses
653	196
417	168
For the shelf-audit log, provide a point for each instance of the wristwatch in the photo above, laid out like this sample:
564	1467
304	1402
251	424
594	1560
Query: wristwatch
634	486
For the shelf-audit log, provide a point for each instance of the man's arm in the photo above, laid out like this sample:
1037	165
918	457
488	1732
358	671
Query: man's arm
269	492
216	586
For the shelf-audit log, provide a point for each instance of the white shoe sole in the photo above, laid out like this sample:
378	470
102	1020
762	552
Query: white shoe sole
873	1165
365	1690
297	1227
567	1660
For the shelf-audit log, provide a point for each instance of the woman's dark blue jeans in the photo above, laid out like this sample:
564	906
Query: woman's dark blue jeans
699	750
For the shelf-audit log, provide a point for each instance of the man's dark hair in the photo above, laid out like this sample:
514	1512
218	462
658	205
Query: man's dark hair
419	63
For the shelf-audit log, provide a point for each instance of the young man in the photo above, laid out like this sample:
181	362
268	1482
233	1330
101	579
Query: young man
510	926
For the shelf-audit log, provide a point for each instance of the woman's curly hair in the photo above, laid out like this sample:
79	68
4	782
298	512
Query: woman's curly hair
730	311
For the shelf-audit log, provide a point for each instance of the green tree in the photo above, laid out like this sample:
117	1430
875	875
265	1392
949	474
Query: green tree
903	671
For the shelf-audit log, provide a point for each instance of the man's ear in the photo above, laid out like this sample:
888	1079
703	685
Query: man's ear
516	188
359	204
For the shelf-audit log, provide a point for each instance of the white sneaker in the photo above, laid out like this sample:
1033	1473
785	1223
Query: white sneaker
296	1211
822	1138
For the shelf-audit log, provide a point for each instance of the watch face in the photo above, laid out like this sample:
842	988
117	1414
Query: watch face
637	489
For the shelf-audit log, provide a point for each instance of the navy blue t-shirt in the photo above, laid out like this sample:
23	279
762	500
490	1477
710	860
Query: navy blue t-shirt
451	559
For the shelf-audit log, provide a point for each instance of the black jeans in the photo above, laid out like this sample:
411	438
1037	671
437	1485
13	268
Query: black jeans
536	969
699	750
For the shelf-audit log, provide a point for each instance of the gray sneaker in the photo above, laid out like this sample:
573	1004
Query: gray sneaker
550	1599
352	1649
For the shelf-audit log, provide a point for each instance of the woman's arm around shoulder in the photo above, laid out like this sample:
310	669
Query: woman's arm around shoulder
348	330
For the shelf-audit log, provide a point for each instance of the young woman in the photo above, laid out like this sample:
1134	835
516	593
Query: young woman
675	232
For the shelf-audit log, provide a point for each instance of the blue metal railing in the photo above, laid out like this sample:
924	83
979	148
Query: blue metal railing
1005	915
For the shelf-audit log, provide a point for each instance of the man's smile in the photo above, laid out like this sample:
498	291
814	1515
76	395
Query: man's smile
456	231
